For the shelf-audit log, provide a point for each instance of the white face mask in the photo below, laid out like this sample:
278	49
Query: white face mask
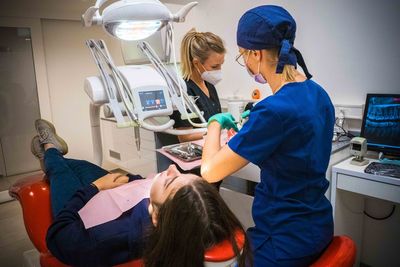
212	76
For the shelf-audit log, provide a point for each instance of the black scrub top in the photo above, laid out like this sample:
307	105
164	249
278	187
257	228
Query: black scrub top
209	105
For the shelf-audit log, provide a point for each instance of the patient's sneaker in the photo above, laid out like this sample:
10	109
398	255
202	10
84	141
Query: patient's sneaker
47	135
37	148
38	151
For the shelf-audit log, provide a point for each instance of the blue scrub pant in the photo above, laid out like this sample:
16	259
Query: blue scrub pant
263	257
67	176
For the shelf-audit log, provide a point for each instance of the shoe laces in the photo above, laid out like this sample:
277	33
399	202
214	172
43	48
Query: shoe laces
43	134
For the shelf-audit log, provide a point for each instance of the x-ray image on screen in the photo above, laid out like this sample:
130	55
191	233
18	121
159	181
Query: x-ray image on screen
382	121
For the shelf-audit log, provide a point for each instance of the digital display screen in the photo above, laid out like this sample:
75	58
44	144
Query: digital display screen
152	100
381	122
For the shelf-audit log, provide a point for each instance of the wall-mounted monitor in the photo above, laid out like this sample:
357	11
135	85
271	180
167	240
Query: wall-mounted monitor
381	123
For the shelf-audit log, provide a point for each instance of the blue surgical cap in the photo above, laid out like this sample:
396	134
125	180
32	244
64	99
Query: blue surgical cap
267	27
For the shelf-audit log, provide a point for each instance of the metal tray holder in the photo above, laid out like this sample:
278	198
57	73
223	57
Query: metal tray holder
185	151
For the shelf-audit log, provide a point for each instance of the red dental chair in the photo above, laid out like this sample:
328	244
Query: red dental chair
33	193
340	253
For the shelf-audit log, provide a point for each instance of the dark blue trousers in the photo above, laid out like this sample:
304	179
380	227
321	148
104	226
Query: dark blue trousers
67	176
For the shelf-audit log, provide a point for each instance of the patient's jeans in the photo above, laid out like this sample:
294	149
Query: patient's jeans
67	176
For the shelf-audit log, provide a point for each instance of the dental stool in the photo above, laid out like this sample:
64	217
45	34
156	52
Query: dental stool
341	252
33	194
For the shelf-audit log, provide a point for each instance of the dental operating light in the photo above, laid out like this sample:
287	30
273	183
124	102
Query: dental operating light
131	20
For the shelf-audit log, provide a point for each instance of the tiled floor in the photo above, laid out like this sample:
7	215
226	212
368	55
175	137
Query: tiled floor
13	237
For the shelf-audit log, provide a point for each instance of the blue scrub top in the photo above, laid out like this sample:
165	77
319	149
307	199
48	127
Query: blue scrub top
289	135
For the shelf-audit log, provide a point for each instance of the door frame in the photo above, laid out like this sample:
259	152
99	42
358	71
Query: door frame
39	60
2	163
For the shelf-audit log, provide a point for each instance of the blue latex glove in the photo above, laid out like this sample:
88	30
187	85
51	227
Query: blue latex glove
226	120
245	114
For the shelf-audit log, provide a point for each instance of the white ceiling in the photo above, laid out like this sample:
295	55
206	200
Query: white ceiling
54	9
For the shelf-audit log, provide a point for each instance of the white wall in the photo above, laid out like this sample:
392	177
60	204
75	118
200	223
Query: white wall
68	63
49	9
351	47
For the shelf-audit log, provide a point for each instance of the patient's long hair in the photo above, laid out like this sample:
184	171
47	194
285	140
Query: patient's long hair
194	219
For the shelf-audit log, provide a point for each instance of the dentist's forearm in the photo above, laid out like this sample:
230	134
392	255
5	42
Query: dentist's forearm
211	147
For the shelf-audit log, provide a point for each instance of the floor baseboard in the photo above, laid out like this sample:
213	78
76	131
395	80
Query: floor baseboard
5	197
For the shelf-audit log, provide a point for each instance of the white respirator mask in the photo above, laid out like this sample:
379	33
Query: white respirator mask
211	76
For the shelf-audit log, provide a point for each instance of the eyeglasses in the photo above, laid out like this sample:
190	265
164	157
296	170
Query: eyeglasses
240	59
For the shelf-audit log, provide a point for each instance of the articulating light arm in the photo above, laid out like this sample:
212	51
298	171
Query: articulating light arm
180	16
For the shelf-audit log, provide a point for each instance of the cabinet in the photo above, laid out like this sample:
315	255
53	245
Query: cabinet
350	190
119	149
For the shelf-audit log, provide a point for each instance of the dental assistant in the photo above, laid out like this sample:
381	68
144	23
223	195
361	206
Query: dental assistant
288	136
202	57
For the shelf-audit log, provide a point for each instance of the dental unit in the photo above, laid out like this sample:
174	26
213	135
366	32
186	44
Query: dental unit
138	95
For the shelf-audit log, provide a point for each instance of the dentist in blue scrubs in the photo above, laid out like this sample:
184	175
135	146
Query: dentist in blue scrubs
288	136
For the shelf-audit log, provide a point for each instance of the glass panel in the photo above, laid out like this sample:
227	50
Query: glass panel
19	105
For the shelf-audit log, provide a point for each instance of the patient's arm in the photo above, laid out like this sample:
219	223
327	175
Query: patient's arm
107	244
67	238
110	181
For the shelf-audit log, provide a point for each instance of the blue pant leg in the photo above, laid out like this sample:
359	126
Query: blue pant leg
67	176
63	180
264	256
86	171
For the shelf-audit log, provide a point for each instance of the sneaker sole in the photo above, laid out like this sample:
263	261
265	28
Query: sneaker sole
63	144
33	150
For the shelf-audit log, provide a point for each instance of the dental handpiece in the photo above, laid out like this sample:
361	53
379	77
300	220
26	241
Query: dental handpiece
137	137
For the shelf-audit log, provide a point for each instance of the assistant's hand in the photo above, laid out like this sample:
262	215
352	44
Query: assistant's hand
111	180
245	114
226	120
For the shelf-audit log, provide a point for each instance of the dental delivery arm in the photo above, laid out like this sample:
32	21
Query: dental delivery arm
218	162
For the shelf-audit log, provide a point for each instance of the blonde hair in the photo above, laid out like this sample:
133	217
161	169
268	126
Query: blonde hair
198	45
289	72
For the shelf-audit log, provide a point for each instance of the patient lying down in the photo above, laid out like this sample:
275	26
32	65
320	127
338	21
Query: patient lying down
183	216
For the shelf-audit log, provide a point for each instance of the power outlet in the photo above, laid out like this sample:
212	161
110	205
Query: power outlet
340	118
354	112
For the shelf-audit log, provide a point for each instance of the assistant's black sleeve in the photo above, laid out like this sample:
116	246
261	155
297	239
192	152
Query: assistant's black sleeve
179	123
248	106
